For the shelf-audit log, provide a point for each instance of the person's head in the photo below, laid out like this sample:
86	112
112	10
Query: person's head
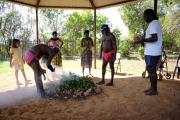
86	33
15	43
54	34
105	29
150	15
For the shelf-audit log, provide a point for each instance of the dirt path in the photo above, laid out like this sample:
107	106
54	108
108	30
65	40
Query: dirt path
124	101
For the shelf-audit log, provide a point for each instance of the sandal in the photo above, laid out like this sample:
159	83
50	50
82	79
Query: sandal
100	83
109	84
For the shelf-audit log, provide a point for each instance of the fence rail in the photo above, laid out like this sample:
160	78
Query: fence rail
5	48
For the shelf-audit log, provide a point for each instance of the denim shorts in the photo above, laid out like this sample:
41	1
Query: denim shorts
151	61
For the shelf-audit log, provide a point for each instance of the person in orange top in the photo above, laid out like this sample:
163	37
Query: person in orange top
56	42
17	60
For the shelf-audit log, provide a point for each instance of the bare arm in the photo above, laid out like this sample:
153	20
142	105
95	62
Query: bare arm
47	42
101	49
153	38
82	44
114	46
61	43
10	60
50	57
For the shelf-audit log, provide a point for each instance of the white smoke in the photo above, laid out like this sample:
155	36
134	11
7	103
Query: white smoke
28	92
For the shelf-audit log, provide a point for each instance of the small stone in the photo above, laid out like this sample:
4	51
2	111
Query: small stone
65	98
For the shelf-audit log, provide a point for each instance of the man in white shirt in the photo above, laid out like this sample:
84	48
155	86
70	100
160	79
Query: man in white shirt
153	48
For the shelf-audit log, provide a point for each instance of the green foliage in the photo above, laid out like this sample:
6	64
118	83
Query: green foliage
75	82
141	50
13	25
75	26
125	49
132	15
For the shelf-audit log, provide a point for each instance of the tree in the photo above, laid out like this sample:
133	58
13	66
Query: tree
171	24
75	26
14	25
51	20
117	34
132	16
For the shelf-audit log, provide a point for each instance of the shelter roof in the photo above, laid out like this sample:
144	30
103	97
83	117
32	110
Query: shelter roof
72	4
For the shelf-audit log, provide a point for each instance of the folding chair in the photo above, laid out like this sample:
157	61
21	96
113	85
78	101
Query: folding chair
118	62
177	67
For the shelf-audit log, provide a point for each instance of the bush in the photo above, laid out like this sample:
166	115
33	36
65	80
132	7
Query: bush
141	51
125	49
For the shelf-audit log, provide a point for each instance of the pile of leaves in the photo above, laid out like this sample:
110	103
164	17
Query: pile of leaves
75	86
74	82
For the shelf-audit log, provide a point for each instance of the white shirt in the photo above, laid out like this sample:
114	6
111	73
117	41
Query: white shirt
154	48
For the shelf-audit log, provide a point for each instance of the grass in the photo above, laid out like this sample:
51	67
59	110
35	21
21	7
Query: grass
133	66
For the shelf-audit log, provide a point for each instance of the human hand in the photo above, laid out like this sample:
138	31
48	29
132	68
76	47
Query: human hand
100	56
10	65
114	57
138	40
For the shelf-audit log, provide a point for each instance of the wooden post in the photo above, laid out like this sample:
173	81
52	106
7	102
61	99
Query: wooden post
95	38
37	31
155	6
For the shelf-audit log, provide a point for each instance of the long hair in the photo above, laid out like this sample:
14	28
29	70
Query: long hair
14	43
151	12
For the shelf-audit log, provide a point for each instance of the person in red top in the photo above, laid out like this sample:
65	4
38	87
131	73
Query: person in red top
109	49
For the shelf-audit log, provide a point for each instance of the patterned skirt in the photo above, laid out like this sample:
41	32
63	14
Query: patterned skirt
86	59
57	60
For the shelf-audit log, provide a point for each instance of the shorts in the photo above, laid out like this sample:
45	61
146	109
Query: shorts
151	61
18	66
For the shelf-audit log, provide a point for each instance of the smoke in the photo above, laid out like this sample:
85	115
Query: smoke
28	92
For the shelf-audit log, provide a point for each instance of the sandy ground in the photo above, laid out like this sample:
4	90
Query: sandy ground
123	101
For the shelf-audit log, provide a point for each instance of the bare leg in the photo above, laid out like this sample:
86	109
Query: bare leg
89	70
24	75
83	71
153	80
111	64
103	72
16	75
37	76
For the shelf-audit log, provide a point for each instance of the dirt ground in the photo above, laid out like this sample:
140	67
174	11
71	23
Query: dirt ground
123	101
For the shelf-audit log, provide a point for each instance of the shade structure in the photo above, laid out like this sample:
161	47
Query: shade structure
72	4
75	4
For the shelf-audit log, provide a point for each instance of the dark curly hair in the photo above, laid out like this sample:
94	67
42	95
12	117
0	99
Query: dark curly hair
151	12
86	31
54	33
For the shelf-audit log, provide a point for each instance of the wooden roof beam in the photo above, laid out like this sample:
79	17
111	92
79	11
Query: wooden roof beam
92	4
18	2
37	4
